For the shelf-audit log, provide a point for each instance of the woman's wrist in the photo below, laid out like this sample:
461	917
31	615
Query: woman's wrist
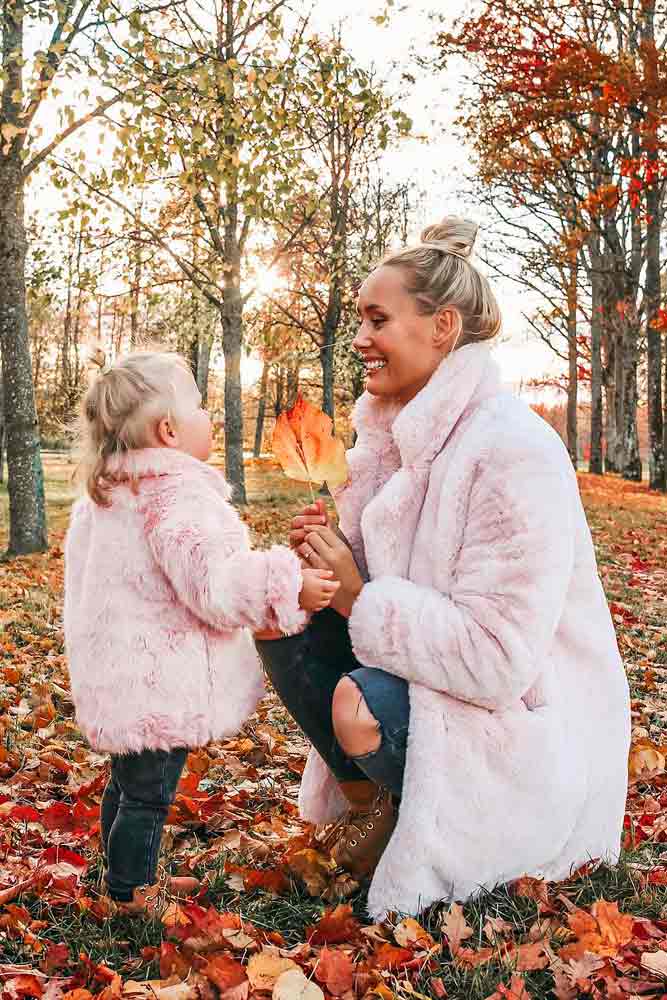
344	600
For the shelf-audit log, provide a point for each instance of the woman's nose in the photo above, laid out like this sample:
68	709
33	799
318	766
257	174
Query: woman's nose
362	341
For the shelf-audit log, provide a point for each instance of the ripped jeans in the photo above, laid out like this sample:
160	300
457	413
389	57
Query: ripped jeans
305	669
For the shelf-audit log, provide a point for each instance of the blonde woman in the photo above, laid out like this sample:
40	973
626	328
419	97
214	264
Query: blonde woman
466	701
161	589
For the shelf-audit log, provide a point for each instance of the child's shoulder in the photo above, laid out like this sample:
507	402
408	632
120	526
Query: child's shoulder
188	482
192	491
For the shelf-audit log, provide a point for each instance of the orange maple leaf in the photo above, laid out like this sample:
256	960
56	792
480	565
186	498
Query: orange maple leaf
306	448
603	931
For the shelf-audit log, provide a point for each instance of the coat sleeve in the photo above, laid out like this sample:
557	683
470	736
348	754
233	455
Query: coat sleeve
485	641
202	547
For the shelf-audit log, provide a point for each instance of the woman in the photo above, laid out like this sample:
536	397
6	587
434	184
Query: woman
471	713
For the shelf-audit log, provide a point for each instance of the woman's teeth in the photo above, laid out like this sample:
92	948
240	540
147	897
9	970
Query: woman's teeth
375	366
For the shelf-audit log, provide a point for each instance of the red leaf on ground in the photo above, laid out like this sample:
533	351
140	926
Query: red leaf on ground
335	927
335	970
25	814
224	971
388	956
54	856
530	888
56	957
515	991
172	962
25	986
57	817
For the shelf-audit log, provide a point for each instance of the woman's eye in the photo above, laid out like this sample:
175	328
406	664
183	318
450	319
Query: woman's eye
377	321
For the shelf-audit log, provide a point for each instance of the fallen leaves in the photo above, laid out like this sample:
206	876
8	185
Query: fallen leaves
603	931
455	928
335	927
265	968
335	970
294	985
235	821
646	760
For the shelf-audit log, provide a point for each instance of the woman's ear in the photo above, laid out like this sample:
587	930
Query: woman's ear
447	328
166	434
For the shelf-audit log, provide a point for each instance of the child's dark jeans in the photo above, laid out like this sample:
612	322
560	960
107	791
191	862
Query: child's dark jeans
135	804
305	669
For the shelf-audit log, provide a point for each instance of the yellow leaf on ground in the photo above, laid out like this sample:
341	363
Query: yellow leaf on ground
455	927
645	760
410	934
263	969
293	985
655	962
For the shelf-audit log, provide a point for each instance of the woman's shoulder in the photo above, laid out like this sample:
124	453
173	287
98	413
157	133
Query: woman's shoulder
511	427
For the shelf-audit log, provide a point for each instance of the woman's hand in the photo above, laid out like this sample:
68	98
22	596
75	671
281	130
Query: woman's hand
324	549
312	516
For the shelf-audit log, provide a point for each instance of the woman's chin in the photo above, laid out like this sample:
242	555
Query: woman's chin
376	385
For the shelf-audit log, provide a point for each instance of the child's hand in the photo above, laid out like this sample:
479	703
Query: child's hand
318	589
311	516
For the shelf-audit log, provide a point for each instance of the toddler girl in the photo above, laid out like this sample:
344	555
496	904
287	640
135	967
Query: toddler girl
162	593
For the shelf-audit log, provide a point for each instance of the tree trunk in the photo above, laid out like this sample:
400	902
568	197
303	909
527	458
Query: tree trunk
620	390
261	409
203	365
27	512
135	290
292	385
632	466
595	459
656	460
326	361
278	405
573	359
231	348
610	434
2	435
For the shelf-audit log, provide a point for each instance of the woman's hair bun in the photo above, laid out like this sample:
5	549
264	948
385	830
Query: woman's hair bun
452	235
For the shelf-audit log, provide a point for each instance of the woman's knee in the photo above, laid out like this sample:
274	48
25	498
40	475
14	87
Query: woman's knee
356	728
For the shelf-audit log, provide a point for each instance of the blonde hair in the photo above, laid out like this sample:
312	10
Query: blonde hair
122	403
439	273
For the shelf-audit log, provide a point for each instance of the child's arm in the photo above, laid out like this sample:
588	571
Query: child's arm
202	548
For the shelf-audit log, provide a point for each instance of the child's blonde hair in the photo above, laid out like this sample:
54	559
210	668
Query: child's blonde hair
439	273
123	402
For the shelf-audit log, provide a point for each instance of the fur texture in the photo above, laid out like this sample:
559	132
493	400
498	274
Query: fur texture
161	590
485	596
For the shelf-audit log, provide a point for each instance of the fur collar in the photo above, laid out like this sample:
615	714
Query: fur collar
421	427
153	463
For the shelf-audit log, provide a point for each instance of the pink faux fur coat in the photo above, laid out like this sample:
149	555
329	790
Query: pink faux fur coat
161	590
485	596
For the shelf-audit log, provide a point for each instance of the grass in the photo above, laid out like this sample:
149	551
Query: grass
628	525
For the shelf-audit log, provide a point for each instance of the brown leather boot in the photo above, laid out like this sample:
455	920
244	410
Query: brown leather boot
356	842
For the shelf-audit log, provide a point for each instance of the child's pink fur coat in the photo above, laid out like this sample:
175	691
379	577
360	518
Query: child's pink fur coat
485	596
161	590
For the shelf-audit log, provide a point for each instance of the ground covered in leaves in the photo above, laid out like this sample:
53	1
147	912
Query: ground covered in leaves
273	920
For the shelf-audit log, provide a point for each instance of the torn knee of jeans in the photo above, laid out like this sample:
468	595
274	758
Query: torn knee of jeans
357	730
